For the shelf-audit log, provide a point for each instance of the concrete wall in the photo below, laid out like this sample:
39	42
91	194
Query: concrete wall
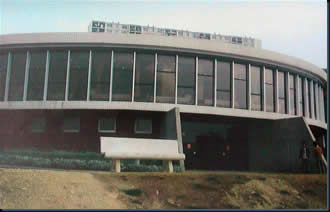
275	145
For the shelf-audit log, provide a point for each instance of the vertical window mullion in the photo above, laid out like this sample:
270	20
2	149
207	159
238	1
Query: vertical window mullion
27	69
111	78
155	79
67	77
89	75
133	81
46	76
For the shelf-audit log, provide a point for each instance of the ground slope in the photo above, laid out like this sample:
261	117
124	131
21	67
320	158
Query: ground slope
33	189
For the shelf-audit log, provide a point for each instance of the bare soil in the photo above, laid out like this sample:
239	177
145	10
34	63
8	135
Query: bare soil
49	189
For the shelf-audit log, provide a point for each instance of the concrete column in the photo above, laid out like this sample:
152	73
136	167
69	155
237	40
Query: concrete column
232	85
276	91
155	79
46	76
89	75
263	89
179	136
117	165
111	78
8	76
298	94
322	104
287	92
196	82
215	82
133	85
27	69
306	98
176	78
248	99
168	166
67	77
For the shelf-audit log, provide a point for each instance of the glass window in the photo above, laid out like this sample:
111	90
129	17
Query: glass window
165	79
186	80
79	61
255	88
144	77
143	125
223	84
310	98
301	96
122	76
3	74
240	86
71	124
205	82
37	75
107	125
269	86
307	104
292	83
38	125
57	75
281	92
316	102
17	76
100	75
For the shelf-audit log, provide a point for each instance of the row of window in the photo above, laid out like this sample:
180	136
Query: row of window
105	125
105	75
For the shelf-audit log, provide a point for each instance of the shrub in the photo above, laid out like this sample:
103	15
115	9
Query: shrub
133	192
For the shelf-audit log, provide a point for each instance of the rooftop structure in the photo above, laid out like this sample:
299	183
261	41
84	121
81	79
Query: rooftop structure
112	27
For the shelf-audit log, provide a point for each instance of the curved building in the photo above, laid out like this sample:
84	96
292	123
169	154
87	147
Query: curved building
240	108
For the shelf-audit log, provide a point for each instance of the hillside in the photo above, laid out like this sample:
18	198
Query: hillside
34	189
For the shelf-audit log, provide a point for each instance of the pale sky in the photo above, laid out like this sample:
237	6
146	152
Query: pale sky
294	27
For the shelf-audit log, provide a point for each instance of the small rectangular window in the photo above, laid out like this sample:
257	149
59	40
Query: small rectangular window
107	125
71	124
143	125
38	125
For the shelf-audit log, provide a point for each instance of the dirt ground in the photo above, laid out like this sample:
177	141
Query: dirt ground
50	189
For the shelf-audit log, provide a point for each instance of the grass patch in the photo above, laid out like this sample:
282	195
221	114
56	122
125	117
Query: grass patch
212	179
133	192
284	192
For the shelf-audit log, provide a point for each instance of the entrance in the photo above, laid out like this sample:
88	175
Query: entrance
212	153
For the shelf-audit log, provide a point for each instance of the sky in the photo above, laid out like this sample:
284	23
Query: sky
294	27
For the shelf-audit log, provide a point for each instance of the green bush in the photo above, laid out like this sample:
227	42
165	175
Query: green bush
55	154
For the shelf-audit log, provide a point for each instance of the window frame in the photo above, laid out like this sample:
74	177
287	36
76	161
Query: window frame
142	132
38	131
107	131
70	130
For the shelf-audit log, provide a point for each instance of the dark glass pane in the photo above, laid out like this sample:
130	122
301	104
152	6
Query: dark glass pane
3	74
17	76
78	75
166	87
57	75
269	98
292	95
37	76
223	99
143	125
71	124
240	71
186	96
315	100
144	77
291	81
205	67
100	75
256	102
240	94
281	85
255	80
223	76
107	124
292	102
281	106
122	76
205	90
186	72
269	76
310	97
144	93
166	63
302	96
